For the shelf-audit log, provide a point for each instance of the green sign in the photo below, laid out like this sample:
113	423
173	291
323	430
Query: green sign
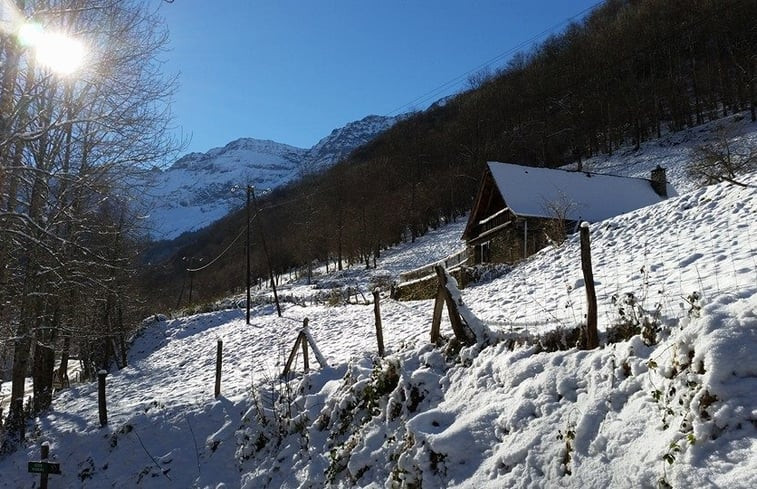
44	467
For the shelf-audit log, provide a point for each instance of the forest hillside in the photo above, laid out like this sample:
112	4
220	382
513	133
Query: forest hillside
629	72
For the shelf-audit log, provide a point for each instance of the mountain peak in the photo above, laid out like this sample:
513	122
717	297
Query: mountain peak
343	140
195	190
260	145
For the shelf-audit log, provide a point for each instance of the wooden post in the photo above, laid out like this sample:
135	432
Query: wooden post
437	318
462	332
305	362
288	366
43	476
304	341
219	361
101	407
377	314
592	336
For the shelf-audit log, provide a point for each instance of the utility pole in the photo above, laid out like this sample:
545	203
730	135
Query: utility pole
191	270
249	191
267	256
191	280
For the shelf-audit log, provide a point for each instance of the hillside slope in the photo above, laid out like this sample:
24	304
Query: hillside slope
680	412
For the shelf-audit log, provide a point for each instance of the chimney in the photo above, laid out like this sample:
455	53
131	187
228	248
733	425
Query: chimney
659	181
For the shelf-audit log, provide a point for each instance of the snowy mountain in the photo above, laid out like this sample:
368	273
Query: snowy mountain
675	408
200	188
342	141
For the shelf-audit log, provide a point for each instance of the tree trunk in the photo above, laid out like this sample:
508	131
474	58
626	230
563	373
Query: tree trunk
63	368
21	358
121	338
751	90
43	369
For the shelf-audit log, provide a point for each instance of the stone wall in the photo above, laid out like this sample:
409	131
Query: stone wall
426	287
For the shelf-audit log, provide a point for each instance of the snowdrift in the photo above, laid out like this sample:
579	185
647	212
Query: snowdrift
679	414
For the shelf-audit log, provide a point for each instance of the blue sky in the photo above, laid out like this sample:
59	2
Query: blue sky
292	71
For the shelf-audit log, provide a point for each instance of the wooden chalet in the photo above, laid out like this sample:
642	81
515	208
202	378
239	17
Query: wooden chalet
519	209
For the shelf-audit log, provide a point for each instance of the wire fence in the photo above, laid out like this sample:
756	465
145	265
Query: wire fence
663	275
667	271
649	280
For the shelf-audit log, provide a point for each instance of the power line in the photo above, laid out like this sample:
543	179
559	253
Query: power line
651	47
268	207
224	251
432	94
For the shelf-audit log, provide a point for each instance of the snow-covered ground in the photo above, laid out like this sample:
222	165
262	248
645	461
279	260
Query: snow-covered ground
678	413
74	372
5	393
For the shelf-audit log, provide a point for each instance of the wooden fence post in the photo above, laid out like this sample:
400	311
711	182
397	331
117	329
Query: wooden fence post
304	338
592	336
377	314
313	347
101	407
288	365
305	361
462	331
436	321
219	361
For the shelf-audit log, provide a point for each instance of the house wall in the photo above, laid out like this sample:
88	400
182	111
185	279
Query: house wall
506	245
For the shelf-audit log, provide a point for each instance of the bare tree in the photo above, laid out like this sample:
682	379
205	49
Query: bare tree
560	209
72	151
721	161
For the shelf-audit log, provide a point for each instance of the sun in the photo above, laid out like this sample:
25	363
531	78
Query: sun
59	52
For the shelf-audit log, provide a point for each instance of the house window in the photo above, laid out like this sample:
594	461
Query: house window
484	252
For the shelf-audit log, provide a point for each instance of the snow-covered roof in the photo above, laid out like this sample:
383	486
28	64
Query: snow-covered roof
536	192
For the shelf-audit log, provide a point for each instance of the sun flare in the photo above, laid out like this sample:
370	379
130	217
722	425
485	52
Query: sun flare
57	51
